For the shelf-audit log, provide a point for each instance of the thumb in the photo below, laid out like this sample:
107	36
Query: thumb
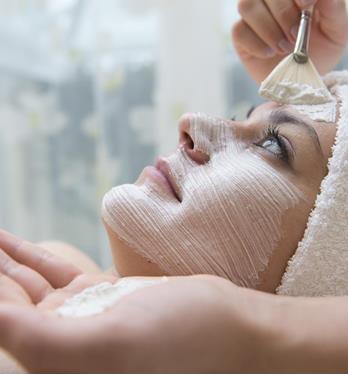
333	20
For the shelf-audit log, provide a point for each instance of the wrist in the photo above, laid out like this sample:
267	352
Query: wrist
300	335
252	336
275	337
268	340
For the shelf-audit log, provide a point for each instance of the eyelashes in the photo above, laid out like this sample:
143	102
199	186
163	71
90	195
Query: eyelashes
275	143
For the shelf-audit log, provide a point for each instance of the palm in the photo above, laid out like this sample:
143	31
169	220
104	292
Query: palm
56	298
31	276
148	330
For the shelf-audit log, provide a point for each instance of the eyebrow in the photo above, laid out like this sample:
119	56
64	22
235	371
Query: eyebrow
280	117
250	111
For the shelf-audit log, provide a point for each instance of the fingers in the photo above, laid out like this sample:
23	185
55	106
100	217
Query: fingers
258	17
287	16
12	292
42	342
333	20
32	282
55	270
248	43
305	4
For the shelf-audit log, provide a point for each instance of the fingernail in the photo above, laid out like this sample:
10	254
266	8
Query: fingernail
270	52
294	31
307	3
285	46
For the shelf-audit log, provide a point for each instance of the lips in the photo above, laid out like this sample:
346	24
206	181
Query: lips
163	166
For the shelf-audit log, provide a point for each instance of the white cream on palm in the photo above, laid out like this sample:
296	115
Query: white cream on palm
96	299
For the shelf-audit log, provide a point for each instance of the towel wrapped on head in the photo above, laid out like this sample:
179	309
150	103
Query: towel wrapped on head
319	266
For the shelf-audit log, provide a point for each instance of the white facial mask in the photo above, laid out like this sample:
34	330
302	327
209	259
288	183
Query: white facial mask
228	222
320	112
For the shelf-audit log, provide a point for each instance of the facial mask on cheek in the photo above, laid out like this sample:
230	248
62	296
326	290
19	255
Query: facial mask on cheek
228	223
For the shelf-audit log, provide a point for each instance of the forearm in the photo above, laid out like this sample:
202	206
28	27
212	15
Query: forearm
289	334
315	334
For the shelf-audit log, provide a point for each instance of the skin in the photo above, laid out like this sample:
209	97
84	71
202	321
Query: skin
37	285
119	335
306	173
196	324
71	255
263	35
247	342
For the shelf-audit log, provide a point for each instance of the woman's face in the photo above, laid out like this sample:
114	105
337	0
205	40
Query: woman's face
233	200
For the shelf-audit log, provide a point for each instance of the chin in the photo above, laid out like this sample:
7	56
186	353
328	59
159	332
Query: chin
126	261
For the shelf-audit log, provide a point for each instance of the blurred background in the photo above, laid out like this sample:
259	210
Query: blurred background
91	92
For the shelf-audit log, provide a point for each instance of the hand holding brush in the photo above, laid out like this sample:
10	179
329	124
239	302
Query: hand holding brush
268	29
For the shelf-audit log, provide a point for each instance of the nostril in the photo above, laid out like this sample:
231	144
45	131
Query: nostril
187	141
189	146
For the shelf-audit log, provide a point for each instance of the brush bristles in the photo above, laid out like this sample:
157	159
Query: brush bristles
289	79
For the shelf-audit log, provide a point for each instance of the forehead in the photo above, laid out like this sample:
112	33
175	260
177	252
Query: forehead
264	111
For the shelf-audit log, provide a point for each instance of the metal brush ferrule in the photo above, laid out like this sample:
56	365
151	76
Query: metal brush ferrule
302	42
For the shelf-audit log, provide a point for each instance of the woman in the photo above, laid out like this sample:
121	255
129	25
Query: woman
279	160
232	201
40	261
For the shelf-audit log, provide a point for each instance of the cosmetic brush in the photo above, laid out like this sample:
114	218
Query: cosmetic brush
295	80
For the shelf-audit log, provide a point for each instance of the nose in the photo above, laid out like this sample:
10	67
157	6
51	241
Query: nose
187	142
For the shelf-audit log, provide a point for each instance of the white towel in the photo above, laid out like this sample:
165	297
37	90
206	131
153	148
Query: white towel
319	266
